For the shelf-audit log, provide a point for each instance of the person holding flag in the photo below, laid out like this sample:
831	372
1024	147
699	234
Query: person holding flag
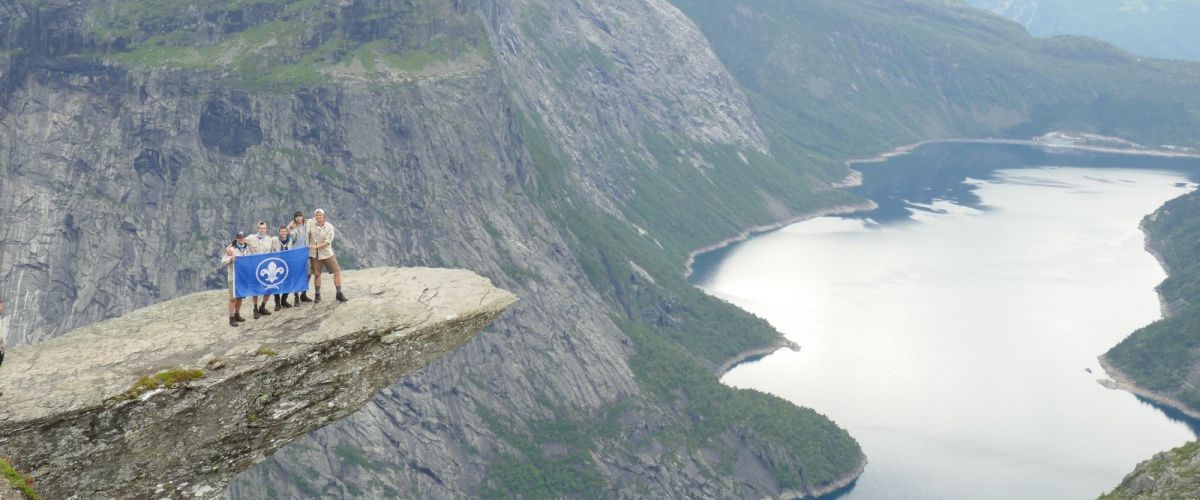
261	242
283	242
261	274
238	248
299	232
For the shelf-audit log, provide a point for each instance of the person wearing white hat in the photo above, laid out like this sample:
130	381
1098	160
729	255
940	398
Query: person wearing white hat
321	256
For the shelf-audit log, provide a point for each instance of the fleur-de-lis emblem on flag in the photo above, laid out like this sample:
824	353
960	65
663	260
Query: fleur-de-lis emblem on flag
272	271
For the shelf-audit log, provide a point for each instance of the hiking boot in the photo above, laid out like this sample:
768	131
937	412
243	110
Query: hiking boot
317	298
304	297
264	310
239	318
278	307
341	298
257	313
233	321
283	302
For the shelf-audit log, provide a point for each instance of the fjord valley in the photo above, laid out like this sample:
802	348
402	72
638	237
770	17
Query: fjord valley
574	153
954	329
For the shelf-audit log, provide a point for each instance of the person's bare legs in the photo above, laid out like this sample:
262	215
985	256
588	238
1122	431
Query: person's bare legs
232	312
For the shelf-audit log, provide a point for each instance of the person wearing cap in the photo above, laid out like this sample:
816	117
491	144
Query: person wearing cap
261	242
238	248
299	233
321	256
281	243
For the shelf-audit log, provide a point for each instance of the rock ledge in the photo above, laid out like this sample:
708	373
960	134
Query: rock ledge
65	417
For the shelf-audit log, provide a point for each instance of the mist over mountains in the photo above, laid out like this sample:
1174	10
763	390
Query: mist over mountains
1151	28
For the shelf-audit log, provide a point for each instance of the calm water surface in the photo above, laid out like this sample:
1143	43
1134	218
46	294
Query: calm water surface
952	333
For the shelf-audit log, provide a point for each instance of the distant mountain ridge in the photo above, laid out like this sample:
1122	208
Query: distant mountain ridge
1151	28
572	152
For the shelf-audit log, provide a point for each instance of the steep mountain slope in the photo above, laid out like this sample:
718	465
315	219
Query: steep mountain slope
834	79
1170	475
573	152
1161	357
1152	28
501	137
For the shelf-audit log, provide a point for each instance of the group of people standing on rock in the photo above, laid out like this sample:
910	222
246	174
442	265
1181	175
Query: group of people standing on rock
315	233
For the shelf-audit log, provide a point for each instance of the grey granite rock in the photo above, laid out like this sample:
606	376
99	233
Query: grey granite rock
67	418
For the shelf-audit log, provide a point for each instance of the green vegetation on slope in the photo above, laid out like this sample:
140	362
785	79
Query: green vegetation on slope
1170	475
680	334
164	379
18	481
828	81
1162	356
832	81
282	45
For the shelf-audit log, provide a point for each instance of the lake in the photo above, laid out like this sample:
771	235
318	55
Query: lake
954	331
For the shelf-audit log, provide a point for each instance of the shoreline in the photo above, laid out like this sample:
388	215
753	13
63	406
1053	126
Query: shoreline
765	228
855	178
834	488
1118	380
780	343
1164	308
908	148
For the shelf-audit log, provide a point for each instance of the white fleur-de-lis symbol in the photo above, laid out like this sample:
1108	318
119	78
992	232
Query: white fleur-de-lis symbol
271	272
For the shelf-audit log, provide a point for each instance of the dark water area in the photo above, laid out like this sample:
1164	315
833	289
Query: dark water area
954	330
938	171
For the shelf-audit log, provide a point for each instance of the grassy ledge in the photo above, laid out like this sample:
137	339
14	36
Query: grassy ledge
164	379
18	481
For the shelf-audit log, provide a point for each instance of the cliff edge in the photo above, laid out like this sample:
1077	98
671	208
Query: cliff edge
170	401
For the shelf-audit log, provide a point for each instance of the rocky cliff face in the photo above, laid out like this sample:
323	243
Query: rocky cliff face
137	136
74	414
1169	475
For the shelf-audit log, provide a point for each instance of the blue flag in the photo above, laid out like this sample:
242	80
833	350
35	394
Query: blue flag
270	273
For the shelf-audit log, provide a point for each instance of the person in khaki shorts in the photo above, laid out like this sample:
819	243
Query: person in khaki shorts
238	248
320	254
261	242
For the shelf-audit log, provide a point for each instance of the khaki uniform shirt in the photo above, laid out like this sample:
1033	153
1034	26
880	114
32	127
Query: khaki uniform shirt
261	244
320	234
227	260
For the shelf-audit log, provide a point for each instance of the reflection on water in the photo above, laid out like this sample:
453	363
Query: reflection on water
952	331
